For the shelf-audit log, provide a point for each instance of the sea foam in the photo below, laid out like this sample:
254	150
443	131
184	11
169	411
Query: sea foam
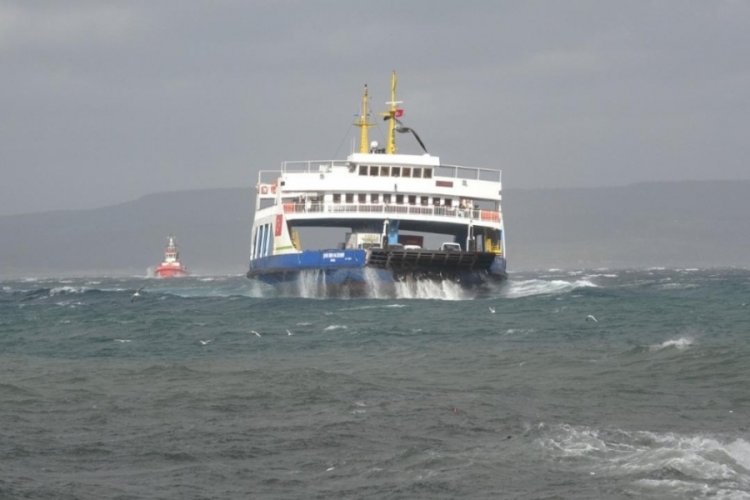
704	463
528	288
679	343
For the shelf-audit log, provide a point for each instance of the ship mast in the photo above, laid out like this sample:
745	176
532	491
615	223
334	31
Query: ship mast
390	115
363	124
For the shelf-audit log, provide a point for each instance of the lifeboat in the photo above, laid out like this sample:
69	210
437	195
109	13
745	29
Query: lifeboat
171	267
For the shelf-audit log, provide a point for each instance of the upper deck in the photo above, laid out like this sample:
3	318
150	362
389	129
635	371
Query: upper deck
378	183
381	173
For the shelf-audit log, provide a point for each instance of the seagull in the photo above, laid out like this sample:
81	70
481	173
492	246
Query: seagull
289	333
256	333
591	317
492	310
205	342
137	294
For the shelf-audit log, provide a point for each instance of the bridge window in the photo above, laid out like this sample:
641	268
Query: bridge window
436	201
449	202
424	200
387	198
427	174
416	172
363	170
399	199
337	197
383	171
362	198
406	172
412	199
374	170
374	198
349	198
395	171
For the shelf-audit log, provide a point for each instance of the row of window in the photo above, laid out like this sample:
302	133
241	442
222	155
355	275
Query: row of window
388	171
262	241
387	198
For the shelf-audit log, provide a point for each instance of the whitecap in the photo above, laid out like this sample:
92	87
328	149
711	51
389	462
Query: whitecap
60	290
335	327
739	450
519	331
701	460
527	288
364	308
431	289
679	343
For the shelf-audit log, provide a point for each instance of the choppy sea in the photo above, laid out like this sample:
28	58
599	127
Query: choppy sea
557	384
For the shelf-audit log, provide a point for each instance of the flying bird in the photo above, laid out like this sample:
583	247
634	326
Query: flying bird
492	310
137	294
591	317
256	333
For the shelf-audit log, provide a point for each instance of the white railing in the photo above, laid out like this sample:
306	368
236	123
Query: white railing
476	173
324	166
312	166
429	211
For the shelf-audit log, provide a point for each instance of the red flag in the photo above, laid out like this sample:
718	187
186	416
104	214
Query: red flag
399	113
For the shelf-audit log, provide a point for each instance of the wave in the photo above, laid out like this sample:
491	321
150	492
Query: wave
365	308
669	462
678	343
429	289
528	288
67	289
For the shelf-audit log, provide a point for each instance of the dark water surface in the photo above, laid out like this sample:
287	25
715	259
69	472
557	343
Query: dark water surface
600	384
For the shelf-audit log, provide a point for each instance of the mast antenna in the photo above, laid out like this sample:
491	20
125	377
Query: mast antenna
363	124
393	112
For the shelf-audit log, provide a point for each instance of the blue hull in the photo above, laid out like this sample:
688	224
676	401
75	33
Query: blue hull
349	269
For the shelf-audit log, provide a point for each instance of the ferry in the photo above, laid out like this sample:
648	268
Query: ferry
171	267
399	217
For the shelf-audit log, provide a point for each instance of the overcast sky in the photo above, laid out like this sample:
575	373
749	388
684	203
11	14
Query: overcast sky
105	101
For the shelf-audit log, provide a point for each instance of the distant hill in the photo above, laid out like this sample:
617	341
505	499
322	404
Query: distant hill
685	224
672	224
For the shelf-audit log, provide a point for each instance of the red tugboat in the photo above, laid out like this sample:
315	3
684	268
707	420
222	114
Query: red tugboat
171	267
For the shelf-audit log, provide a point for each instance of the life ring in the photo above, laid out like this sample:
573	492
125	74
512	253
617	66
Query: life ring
264	189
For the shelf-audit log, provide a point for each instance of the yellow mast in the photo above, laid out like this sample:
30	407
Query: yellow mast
390	147
363	124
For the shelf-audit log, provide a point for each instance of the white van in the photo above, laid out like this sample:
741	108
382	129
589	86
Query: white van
449	246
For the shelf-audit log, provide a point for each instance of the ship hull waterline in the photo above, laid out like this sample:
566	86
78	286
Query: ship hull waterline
353	272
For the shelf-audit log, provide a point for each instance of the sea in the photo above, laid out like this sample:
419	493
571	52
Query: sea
556	384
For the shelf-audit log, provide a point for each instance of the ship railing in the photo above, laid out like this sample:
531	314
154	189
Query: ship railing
429	211
476	173
300	167
323	166
311	166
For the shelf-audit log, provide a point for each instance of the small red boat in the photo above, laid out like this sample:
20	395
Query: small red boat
171	267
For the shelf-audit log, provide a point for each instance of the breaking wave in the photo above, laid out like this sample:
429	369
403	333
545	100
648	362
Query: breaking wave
679	344
669	463
528	288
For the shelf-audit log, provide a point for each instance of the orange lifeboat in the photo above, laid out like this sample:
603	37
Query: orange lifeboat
171	267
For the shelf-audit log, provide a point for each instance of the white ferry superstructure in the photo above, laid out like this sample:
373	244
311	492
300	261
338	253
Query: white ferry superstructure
390	206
